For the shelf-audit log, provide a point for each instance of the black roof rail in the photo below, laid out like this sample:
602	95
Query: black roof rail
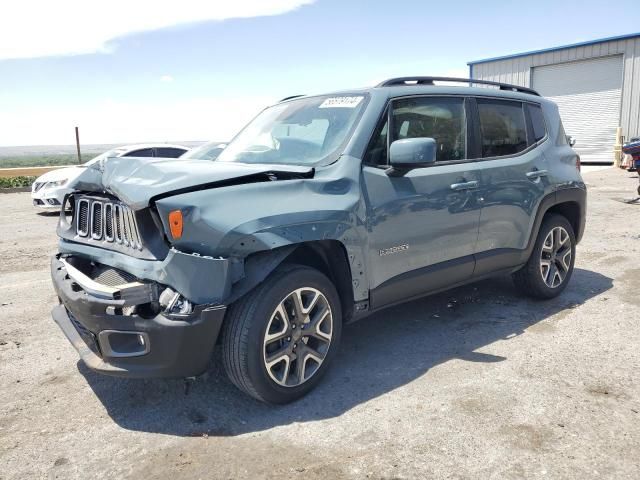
290	98
392	82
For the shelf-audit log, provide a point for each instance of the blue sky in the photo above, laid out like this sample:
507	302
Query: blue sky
154	73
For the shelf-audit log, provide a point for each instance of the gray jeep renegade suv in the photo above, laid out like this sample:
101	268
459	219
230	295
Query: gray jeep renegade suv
321	211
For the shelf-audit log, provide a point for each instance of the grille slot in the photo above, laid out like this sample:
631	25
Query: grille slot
97	220
107	221
82	225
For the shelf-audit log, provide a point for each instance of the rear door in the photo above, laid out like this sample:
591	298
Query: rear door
513	179
422	226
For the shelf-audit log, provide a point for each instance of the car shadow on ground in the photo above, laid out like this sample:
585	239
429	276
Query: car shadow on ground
49	213
377	355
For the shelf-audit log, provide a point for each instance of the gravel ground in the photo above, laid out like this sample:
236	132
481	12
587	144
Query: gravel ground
474	383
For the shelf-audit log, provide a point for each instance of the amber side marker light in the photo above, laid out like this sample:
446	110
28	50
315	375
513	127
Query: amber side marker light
175	223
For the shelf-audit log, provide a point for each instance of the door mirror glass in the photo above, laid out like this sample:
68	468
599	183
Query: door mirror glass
411	153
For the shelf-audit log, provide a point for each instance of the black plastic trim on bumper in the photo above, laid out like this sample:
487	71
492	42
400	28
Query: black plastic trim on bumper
178	348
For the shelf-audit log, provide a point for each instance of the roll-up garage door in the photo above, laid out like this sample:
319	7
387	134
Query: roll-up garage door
588	94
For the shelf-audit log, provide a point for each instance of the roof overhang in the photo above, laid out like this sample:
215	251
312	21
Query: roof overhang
545	50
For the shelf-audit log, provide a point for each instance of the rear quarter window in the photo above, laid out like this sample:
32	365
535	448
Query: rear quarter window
537	122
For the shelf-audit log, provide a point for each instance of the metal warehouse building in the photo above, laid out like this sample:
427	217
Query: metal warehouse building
596	85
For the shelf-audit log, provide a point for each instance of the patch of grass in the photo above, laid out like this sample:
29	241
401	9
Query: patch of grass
44	160
14	182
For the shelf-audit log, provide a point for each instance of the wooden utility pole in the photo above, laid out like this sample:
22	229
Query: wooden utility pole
78	146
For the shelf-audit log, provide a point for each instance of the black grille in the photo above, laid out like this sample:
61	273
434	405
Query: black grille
111	276
106	220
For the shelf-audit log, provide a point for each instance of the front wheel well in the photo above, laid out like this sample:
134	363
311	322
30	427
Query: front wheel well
330	258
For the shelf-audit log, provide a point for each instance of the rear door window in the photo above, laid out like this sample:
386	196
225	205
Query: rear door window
503	129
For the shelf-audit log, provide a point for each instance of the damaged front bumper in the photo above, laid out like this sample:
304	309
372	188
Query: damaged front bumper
201	279
121	329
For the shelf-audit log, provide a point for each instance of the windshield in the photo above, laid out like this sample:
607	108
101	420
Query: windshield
307	131
110	153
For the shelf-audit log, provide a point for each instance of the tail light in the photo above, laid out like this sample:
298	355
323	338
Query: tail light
578	162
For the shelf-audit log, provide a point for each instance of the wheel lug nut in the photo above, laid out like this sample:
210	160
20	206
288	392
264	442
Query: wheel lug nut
288	339
295	345
293	326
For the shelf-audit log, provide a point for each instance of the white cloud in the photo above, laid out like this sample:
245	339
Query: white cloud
40	28
109	121
166	78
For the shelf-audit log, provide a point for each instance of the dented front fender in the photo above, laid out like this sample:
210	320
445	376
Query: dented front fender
238	221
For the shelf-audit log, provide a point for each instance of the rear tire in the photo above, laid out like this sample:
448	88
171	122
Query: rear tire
550	266
279	339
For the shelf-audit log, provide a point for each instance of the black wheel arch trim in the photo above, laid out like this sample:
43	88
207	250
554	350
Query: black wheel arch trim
575	195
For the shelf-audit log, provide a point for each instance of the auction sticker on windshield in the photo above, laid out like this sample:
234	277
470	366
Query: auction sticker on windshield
341	102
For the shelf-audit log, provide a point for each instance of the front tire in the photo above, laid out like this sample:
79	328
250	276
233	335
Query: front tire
279	339
550	266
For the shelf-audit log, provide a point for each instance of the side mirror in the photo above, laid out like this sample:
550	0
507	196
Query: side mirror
571	141
410	153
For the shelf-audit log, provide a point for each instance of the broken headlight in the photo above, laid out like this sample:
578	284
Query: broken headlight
173	303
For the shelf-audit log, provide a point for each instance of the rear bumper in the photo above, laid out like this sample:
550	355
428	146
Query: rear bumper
168	347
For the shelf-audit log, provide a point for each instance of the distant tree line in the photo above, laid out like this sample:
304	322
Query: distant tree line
45	160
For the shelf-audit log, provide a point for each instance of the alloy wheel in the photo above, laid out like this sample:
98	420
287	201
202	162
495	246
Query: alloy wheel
555	257
297	337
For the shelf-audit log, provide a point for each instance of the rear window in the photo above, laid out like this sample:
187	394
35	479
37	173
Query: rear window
169	152
144	152
537	122
502	127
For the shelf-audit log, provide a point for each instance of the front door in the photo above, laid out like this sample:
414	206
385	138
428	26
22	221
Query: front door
422	226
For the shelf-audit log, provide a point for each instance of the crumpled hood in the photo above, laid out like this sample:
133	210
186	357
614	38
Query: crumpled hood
136	181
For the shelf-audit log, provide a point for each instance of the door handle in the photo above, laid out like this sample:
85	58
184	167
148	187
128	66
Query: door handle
533	174
464	185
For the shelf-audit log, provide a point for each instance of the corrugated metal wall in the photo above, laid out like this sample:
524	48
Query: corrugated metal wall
517	70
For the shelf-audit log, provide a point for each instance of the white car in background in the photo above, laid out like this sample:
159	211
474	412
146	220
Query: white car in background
49	189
